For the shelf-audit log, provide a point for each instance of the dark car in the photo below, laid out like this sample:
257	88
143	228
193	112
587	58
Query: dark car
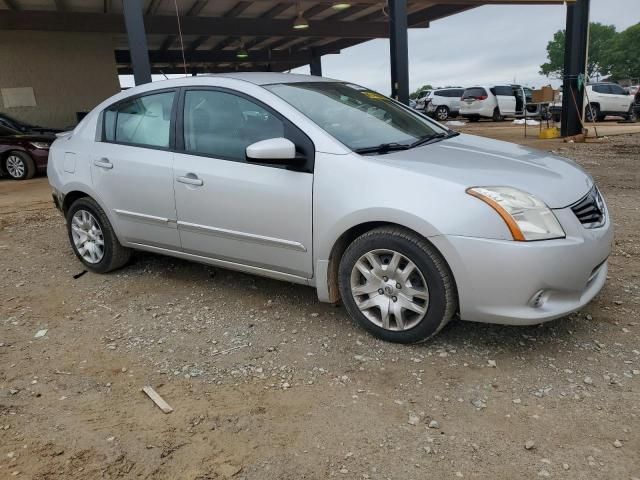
22	155
22	127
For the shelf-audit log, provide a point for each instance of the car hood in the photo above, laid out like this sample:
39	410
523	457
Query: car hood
476	161
33	137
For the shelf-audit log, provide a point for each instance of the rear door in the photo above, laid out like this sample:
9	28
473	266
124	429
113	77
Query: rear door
132	168
622	98
232	210
505	98
473	97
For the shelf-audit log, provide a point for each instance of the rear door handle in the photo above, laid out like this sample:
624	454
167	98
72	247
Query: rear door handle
191	179
103	163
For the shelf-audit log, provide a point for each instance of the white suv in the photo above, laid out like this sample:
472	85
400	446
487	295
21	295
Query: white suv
444	103
608	99
496	102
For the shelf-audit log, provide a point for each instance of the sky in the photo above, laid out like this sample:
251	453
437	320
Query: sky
489	44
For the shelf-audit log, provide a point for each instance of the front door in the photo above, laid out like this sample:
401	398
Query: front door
132	170
232	210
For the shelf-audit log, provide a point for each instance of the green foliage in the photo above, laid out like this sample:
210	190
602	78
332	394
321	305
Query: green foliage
626	54
602	42
418	92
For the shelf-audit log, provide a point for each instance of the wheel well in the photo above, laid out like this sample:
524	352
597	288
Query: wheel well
341	245
71	197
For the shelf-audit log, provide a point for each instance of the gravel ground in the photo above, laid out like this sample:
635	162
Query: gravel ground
267	383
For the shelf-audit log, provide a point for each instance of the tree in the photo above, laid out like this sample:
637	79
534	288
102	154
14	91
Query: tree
626	54
602	39
417	93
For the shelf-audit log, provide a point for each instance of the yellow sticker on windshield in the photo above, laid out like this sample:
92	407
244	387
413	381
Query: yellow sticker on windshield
374	95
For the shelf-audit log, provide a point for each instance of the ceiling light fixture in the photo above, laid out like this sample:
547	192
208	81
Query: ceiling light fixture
300	23
338	5
242	52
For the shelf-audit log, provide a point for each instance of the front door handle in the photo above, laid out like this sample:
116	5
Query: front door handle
191	179
103	163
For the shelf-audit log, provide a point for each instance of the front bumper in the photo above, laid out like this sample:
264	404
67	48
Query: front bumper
525	283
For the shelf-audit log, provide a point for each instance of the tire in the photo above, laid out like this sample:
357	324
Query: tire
632	116
113	255
592	114
19	165
436	302
497	116
441	113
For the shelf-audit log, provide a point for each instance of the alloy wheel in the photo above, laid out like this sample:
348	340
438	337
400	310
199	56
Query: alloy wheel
442	113
87	236
389	290
15	166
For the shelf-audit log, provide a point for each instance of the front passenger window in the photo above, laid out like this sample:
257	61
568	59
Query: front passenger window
223	125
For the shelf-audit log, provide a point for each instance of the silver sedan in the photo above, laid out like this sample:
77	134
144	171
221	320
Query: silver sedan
332	185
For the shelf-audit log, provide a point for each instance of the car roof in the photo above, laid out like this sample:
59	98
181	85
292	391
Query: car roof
268	78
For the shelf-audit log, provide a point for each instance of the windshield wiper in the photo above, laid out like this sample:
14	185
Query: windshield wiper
428	139
383	148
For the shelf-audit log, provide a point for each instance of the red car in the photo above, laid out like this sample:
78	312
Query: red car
22	155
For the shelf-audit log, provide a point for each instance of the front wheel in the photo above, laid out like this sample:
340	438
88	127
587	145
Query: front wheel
396	285
592	113
19	166
92	237
632	116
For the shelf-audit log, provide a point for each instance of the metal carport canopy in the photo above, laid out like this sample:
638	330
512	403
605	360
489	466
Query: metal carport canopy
215	30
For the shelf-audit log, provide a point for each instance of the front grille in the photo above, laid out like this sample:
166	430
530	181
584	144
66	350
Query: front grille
590	209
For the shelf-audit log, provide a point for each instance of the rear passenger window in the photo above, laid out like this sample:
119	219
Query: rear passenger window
503	90
617	90
144	121
224	125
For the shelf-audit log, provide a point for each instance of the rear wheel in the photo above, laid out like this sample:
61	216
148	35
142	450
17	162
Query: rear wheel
442	113
19	166
92	237
497	116
592	113
396	285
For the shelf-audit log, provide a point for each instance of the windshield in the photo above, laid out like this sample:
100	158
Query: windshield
356	116
11	122
6	131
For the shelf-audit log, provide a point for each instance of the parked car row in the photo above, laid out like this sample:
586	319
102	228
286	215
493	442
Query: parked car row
498	102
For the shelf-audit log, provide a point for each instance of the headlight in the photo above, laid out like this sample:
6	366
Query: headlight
527	217
42	145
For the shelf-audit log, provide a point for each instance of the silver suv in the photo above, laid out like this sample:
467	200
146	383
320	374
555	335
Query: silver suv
329	184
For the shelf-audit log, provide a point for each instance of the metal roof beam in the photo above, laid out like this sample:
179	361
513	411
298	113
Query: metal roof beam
203	56
166	24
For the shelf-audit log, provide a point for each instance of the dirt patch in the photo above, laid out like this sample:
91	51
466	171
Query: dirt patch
267	383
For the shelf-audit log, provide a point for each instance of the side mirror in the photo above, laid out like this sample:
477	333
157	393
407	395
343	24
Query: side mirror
273	150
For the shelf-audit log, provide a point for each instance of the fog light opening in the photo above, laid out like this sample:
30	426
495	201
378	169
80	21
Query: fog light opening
538	300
